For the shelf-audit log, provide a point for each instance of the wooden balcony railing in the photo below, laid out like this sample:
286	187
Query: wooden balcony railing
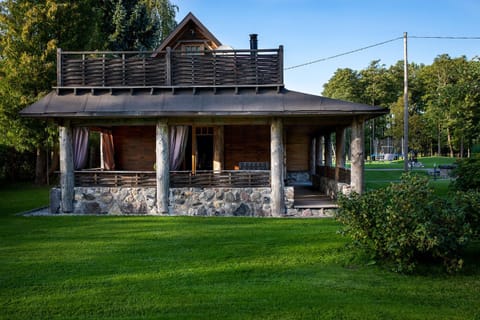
93	69
178	179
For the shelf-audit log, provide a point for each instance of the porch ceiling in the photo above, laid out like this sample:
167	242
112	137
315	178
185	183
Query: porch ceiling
197	102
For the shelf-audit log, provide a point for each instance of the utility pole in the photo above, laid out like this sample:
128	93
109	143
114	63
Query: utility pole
405	102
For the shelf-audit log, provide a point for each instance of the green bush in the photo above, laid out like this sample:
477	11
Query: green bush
467	174
469	203
405	223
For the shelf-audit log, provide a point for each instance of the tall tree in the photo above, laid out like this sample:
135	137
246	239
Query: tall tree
452	100
30	33
137	25
344	84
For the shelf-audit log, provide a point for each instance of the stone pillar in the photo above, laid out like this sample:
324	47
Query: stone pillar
319	150
218	148
357	147
162	166
67	174
328	149
276	168
339	151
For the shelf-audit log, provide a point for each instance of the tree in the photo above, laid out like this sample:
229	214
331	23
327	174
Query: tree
452	97
137	25
344	84
444	102
30	33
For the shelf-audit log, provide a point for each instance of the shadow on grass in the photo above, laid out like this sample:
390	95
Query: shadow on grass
206	268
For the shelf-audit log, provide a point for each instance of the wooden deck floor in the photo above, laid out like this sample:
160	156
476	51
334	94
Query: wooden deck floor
308	198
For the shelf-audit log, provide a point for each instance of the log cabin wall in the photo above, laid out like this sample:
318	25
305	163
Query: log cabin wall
134	147
297	147
246	144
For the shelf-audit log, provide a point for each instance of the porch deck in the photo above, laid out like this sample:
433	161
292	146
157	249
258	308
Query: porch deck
306	197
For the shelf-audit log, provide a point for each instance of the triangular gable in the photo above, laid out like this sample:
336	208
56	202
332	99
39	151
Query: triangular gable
190	29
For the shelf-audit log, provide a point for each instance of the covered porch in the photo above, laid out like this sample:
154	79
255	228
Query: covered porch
288	137
245	161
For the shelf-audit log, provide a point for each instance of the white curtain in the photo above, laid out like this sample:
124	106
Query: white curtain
178	144
80	147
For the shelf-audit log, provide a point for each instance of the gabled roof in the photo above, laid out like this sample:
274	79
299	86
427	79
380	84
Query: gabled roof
184	26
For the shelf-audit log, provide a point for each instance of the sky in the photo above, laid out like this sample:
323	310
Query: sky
315	29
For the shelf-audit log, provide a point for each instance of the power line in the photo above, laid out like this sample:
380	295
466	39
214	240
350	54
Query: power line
376	45
445	38
342	54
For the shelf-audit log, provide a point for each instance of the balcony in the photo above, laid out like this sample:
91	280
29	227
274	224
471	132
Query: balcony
169	69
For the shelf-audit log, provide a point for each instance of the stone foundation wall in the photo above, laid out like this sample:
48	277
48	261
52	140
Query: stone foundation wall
183	201
330	187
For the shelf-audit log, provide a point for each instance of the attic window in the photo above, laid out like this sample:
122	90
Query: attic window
192	49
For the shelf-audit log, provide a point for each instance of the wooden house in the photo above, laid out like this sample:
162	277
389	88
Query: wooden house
195	127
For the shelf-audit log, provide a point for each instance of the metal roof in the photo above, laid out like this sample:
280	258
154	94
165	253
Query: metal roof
158	102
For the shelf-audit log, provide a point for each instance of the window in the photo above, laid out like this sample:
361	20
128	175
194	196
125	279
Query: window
192	50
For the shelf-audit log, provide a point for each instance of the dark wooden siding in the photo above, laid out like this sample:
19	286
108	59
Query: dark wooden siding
246	144
134	147
298	145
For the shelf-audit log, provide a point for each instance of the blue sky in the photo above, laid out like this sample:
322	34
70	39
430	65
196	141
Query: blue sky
315	29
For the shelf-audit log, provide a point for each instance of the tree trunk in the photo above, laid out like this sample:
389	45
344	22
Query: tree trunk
461	147
449	140
40	166
55	161
439	142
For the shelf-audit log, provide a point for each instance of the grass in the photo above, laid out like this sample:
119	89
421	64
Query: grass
428	162
209	268
91	267
380	173
21	197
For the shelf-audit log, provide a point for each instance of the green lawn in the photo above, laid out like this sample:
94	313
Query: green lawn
90	267
428	162
380	173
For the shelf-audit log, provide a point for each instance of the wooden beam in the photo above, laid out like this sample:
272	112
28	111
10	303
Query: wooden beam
357	146
218	148
162	166
67	176
276	171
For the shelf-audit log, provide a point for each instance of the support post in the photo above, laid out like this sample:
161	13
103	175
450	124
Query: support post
313	154
67	174
339	152
319	150
276	171
328	149
405	103
357	154
162	166
218	148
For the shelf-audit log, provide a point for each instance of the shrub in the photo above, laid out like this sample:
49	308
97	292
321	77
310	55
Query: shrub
467	174
405	223
469	203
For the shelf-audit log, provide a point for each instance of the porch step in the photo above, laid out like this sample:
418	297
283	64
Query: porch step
316	205
307	198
